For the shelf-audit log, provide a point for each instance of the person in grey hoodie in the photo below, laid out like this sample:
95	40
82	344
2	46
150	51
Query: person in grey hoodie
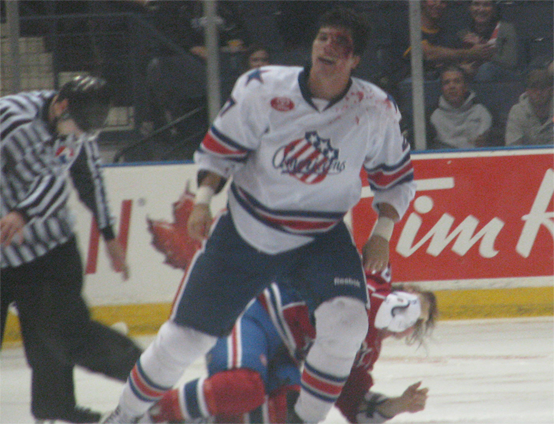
459	121
530	121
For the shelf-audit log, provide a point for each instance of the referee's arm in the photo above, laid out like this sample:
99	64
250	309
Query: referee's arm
88	180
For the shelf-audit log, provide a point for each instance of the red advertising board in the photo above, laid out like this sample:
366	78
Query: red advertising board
476	215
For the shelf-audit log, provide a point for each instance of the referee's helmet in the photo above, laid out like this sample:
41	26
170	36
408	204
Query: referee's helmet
89	101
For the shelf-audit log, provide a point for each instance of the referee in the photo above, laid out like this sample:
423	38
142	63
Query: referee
47	139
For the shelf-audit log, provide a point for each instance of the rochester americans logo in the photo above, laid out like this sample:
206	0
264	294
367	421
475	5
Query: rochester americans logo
309	159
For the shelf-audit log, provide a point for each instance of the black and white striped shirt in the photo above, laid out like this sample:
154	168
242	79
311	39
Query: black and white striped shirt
36	166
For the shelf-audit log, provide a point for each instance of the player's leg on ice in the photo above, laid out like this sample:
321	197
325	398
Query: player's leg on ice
230	396
225	395
242	368
334	286
158	370
221	280
341	326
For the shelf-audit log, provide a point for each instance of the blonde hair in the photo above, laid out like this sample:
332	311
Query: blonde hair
422	328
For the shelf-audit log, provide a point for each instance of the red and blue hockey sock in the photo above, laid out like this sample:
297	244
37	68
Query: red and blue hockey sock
143	388
226	395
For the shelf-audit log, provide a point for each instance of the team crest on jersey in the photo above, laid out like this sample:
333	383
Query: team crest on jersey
65	154
309	159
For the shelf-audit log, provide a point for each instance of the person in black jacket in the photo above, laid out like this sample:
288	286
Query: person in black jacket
47	137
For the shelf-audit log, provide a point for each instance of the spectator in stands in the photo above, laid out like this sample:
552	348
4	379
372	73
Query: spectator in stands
531	120
439	44
488	29
176	76
459	121
256	56
184	21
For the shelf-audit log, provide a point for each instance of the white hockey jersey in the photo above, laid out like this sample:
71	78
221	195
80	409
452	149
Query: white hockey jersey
296	167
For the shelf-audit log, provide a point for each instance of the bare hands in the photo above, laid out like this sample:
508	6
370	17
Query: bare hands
413	399
482	52
469	67
117	258
376	254
199	51
472	38
11	226
199	222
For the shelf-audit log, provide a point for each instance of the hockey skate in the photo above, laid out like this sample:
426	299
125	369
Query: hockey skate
156	415
118	417
76	415
152	416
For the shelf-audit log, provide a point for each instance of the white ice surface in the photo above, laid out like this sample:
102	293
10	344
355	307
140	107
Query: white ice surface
477	371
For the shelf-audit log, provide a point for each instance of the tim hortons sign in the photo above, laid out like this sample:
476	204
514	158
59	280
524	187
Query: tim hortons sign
475	216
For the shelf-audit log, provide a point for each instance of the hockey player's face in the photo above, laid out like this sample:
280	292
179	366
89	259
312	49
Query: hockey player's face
334	48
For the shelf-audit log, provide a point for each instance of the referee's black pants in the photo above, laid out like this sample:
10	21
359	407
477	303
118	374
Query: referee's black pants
57	330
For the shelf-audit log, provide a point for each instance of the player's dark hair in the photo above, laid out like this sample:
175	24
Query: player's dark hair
342	17
88	101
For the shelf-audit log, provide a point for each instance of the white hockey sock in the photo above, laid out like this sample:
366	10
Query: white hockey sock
341	327
161	365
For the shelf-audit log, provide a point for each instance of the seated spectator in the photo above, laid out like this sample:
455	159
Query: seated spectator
184	21
439	44
176	78
459	121
488	29
530	121
256	56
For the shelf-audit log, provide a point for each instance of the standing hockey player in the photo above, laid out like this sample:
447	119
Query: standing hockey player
294	140
251	371
48	139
